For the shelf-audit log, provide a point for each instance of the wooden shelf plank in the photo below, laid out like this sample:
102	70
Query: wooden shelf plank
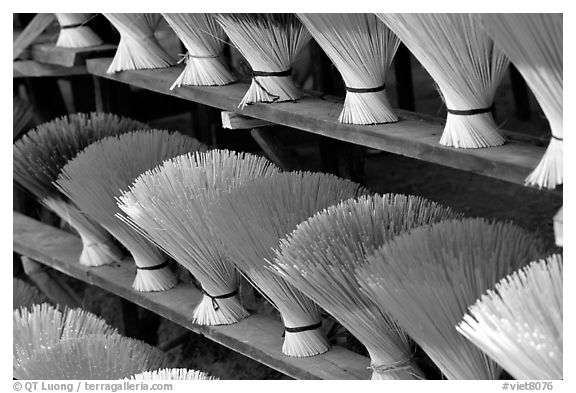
412	136
31	68
68	57
258	337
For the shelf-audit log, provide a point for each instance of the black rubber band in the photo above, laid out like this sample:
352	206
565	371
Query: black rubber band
215	305
72	26
470	112
225	296
557	138
272	73
365	89
303	328
155	267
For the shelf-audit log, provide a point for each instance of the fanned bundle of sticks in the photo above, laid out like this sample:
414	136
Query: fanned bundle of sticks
40	155
98	175
204	40
169	205
362	48
518	323
467	66
533	43
426	278
138	48
270	43
74	33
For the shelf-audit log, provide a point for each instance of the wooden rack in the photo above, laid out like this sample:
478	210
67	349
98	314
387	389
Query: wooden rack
260	337
413	136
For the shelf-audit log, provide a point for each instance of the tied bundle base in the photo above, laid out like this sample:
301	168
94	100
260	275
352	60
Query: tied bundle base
549	172
203	71
78	37
212	312
270	89
154	280
367	109
471	131
404	369
98	254
98	248
305	344
144	54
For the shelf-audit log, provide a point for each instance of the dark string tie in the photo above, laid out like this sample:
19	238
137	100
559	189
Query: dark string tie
260	74
365	89
471	112
155	267
78	24
557	138
301	328
215	305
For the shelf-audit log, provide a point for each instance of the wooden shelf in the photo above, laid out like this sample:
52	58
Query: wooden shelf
413	136
258	337
68	57
31	68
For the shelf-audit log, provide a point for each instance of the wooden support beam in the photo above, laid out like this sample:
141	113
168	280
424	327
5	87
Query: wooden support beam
236	121
48	53
57	291
36	26
273	148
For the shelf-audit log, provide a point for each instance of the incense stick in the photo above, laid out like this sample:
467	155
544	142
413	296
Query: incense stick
138	47
251	220
172	374
425	279
519	322
467	66
43	326
38	158
204	40
96	177
319	258
362	48
533	42
74	33
94	357
270	43
168	205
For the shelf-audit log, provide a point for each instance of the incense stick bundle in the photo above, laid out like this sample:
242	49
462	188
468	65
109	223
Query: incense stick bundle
270	43
319	258
94	357
74	33
38	158
519	323
138	47
168	205
467	66
362	48
172	374
253	218
96	177
426	279
25	295
43	326
533	43
204	40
